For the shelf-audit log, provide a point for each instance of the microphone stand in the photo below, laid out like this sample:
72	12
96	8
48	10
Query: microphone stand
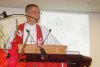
43	53
47	36
22	50
42	50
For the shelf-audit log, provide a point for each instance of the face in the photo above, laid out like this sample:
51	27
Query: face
34	12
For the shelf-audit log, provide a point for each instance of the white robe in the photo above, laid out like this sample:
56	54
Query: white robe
50	40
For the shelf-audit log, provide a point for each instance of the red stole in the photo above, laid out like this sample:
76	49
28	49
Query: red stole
19	40
39	35
20	32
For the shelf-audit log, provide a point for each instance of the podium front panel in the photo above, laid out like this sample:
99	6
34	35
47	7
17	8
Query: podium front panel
50	49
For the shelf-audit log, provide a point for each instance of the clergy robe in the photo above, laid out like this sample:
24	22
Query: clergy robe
38	35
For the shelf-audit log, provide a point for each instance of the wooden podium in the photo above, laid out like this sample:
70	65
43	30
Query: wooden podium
50	49
55	53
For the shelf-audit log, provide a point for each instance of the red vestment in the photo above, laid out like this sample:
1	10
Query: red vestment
19	40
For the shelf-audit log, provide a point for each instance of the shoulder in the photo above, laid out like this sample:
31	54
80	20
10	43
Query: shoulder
22	24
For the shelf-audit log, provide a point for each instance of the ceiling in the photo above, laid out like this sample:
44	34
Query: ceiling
66	5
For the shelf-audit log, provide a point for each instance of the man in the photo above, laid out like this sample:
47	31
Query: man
37	34
31	32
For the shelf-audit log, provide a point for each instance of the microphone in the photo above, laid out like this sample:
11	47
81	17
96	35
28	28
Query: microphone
46	36
30	16
31	36
42	50
24	45
43	53
27	37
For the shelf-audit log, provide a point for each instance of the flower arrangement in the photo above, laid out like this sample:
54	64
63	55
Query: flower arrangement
3	60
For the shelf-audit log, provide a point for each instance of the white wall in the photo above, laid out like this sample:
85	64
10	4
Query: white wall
71	29
12	10
95	38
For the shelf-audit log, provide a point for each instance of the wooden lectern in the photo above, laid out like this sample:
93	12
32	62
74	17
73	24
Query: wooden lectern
50	49
55	53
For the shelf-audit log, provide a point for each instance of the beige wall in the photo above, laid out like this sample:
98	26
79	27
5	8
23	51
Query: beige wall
95	38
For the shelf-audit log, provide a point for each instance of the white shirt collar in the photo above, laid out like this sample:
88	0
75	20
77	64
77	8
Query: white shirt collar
27	24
